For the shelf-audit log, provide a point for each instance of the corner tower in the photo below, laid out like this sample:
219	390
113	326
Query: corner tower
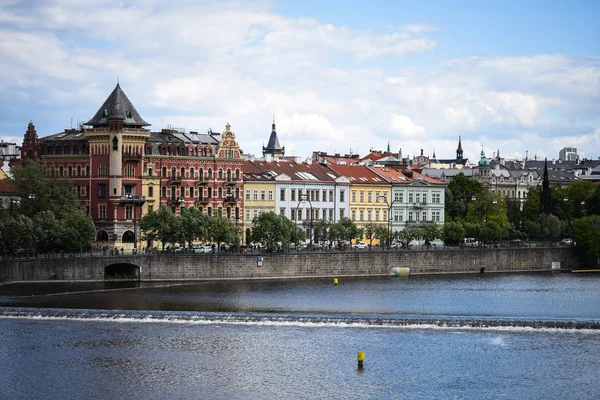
274	149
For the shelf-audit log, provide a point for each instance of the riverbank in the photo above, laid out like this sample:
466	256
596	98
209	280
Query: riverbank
184	267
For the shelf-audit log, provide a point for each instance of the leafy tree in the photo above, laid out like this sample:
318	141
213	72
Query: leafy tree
322	231
40	192
369	232
76	231
346	230
270	229
463	189
514	213
223	230
549	226
411	233
491	232
430	232
489	206
453	232
586	234
382	233
195	225
531	206
453	209
592	204
160	225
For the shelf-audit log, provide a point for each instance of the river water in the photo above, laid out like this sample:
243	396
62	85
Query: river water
510	336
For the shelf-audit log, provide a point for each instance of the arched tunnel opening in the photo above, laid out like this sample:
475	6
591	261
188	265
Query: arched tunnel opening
121	271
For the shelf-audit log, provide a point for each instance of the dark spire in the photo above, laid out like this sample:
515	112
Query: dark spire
459	151
273	147
546	195
117	107
388	148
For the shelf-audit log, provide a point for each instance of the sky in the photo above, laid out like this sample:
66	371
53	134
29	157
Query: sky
518	77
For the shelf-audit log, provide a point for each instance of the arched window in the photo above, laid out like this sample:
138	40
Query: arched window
128	237
164	171
210	173
192	172
173	172
201	173
182	173
61	170
237	174
228	174
70	169
78	170
87	170
220	175
102	236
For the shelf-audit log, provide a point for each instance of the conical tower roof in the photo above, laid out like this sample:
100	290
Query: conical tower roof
117	107
273	147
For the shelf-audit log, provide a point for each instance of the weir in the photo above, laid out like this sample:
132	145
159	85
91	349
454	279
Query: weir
180	267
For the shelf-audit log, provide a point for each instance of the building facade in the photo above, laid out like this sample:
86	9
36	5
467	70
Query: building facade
121	170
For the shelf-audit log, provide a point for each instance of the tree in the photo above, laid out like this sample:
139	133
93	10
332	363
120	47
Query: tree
223	230
549	226
76	231
430	232
463	189
586	234
369	232
160	225
489	207
346	230
453	232
322	231
411	233
195	225
40	192
270	230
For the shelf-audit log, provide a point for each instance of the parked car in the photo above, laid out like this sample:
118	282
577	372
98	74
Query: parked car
566	242
469	242
202	249
517	243
360	245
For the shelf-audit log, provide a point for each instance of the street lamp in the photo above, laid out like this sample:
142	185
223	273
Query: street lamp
389	216
14	203
303	199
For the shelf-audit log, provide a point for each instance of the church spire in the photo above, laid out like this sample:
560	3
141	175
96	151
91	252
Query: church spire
273	147
459	150
388	148
546	195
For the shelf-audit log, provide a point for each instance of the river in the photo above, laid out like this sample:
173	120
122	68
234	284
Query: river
450	336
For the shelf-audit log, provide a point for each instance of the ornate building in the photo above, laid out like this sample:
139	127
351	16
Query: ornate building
121	170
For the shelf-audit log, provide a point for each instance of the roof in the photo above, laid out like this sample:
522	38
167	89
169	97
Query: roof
273	146
69	135
304	172
359	174
117	106
405	176
253	174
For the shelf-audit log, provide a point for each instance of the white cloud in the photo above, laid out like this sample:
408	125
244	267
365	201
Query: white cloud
199	64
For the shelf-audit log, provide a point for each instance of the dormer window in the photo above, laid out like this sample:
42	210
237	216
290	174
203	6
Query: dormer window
105	112
128	113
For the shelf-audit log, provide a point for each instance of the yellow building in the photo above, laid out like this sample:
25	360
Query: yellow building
259	196
367	192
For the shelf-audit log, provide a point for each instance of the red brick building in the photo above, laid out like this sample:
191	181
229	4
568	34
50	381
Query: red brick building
121	170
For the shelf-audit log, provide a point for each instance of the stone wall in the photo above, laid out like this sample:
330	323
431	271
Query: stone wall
245	266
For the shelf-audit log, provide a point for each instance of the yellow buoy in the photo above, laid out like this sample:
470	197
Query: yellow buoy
335	281
361	358
396	271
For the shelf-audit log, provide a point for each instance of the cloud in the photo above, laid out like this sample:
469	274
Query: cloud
199	65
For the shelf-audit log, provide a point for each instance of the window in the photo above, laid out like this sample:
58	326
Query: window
209	193
282	211
247	215
237	193
237	174
324	195
220	174
220	192
102	211
353	196
424	216
341	213
354	215
281	195
399	197
210	173
342	196
368	215
410	216
436	198
293	194
362	215
102	190
191	192
102	170
331	196
255	213
331	214
247	194
150	208
398	216
316	195
376	215
263	194
192	172
164	191
164	171
128	212
201	174
150	171
129	171
182	192
370	197
255	193
362	197
150	191
410	198
293	214
78	189
271	195
418	197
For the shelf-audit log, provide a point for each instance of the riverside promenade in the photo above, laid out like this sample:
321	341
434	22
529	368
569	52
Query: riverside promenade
223	266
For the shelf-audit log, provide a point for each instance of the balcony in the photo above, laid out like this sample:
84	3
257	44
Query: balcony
203	200
202	181
175	201
132	157
176	180
229	199
231	182
420	205
132	199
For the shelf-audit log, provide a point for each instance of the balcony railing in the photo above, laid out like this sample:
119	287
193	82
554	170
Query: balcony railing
420	205
231	182
132	199
173	201
201	181
229	199
132	157
176	180
203	200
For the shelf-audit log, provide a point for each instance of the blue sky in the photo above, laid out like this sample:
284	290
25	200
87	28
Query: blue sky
338	76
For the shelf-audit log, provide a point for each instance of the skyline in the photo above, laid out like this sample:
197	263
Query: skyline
337	78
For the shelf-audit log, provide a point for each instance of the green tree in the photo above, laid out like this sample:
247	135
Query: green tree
411	233
369	230
430	232
270	230
223	231
463	189
76	231
489	207
453	232
549	226
346	230
195	225
160	225
322	231
586	234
